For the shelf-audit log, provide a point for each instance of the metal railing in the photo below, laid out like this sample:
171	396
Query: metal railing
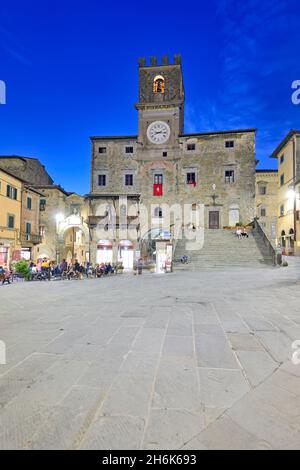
30	237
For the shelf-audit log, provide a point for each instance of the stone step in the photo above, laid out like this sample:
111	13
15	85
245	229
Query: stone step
221	248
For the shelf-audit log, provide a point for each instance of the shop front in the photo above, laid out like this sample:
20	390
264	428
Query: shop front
104	252
4	255
126	254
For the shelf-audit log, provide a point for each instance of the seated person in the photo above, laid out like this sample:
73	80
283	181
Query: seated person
108	268
238	233
5	277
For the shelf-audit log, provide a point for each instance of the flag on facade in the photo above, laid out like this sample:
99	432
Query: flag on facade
157	190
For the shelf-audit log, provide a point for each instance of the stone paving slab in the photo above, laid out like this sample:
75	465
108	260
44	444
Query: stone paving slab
170	429
189	360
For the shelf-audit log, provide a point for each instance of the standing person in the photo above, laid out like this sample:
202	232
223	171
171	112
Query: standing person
39	265
239	233
140	265
63	266
76	266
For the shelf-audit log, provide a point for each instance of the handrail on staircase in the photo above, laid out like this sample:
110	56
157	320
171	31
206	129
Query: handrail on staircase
273	250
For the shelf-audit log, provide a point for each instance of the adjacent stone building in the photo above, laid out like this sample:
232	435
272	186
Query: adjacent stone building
267	201
19	219
27	168
63	229
162	166
50	221
288	156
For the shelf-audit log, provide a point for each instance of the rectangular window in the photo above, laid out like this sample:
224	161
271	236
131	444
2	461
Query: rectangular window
191	147
282	179
229	176
263	190
11	192
128	180
28	228
128	149
165	154
102	180
42	205
191	178
102	149
29	203
158	179
282	158
282	211
10	221
263	212
229	144
42	230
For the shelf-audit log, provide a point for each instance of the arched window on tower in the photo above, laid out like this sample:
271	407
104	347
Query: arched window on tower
159	84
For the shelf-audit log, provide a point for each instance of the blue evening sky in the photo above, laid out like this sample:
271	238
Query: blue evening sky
70	69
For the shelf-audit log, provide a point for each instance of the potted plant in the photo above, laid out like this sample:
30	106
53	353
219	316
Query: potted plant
22	268
119	268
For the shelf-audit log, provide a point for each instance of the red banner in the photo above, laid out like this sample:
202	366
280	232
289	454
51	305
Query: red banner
157	190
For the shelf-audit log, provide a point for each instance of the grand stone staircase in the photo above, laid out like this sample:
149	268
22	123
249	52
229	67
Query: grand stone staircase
222	248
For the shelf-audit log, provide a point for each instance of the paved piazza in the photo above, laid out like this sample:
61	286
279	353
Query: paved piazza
198	360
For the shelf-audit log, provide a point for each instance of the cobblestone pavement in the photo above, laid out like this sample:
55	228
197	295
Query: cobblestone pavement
196	360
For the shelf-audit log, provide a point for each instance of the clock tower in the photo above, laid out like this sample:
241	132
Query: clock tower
160	107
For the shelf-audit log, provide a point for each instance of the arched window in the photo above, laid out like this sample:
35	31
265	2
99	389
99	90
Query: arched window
159	84
158	212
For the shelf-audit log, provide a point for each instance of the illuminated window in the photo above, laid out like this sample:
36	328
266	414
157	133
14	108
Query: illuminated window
159	84
229	176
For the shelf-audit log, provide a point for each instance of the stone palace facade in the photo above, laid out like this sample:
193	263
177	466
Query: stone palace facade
162	166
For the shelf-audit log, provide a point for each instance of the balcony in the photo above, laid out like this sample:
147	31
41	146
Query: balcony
30	238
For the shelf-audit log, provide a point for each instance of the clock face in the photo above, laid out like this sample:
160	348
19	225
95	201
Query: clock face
158	132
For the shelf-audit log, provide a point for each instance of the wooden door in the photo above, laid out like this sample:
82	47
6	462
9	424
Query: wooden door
214	219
